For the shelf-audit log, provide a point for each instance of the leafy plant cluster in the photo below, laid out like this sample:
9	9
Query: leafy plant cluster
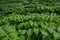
29	21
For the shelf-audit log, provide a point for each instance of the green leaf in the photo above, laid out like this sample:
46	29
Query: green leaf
22	31
5	38
20	26
36	31
51	29
29	38
31	23
36	24
22	38
56	35
29	32
2	32
58	28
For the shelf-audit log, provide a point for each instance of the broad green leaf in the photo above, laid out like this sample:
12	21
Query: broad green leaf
31	23
36	31
58	28
20	26
29	32
22	31
22	37
5	38
36	24
56	35
51	29
29	38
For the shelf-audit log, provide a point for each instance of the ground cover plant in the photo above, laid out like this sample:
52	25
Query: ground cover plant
29	20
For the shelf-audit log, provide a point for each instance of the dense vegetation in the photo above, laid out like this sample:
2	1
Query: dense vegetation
29	20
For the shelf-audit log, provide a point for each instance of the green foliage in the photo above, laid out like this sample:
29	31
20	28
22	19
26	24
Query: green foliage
29	20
